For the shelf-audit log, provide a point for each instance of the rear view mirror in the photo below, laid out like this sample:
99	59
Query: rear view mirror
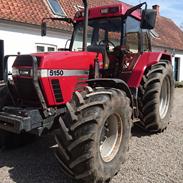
148	19
43	29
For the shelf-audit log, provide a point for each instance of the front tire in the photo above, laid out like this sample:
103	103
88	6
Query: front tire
156	97
94	136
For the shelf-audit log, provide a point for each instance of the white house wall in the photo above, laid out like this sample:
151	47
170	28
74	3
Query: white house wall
180	56
175	54
23	38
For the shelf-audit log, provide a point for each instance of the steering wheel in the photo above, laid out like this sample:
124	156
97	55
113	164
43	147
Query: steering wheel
122	50
106	42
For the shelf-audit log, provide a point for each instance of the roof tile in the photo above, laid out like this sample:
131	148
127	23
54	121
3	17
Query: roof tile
170	35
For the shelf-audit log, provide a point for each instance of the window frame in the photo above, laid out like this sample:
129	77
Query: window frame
138	46
46	46
123	33
76	25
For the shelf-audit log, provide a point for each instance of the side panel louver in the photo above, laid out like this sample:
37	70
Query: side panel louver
57	90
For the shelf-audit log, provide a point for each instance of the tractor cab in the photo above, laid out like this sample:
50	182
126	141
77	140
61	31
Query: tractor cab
118	32
116	39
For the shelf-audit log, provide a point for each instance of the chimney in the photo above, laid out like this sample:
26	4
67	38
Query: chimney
157	8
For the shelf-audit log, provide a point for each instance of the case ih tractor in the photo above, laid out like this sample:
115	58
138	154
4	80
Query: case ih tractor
93	91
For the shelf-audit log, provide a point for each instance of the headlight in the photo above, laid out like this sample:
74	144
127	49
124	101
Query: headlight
22	72
15	72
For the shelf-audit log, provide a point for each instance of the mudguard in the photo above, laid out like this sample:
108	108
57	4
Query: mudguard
112	83
146	60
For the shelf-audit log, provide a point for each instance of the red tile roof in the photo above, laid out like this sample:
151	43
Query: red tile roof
25	11
170	35
32	12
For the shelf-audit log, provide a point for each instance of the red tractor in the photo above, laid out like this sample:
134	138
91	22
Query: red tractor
93	91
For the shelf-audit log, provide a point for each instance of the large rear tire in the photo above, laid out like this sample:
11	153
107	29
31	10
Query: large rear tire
94	135
156	97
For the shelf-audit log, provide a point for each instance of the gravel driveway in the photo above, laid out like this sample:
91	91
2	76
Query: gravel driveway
152	158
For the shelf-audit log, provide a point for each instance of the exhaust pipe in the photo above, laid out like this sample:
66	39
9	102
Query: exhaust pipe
85	31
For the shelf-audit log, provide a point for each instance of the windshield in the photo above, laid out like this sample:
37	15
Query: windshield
108	32
100	31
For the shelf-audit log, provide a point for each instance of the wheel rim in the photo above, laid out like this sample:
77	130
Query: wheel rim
164	98
111	137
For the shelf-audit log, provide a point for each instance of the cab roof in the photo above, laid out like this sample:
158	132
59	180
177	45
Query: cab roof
114	10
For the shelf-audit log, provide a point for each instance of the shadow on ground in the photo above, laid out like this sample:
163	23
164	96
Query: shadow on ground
33	163
138	131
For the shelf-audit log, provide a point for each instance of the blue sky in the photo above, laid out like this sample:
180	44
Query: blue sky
169	8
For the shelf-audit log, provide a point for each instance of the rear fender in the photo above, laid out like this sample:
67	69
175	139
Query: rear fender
145	61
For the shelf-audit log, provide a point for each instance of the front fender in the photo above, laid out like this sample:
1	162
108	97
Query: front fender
112	83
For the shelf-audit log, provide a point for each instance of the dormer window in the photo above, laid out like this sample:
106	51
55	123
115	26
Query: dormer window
56	8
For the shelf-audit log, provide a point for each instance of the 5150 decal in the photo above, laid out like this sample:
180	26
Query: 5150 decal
56	72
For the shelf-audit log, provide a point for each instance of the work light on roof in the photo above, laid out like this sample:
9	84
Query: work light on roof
112	10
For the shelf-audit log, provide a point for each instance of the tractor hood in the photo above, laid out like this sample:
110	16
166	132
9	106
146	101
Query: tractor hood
59	75
66	60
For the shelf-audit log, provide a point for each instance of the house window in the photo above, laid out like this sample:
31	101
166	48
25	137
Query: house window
45	48
51	49
56	7
40	48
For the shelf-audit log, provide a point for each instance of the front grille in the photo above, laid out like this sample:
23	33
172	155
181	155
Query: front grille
25	60
26	90
57	90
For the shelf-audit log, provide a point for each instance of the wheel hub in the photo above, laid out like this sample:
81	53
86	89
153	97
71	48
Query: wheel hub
111	137
165	96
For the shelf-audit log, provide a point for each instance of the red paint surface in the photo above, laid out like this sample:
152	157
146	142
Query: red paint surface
96	12
145	60
67	61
